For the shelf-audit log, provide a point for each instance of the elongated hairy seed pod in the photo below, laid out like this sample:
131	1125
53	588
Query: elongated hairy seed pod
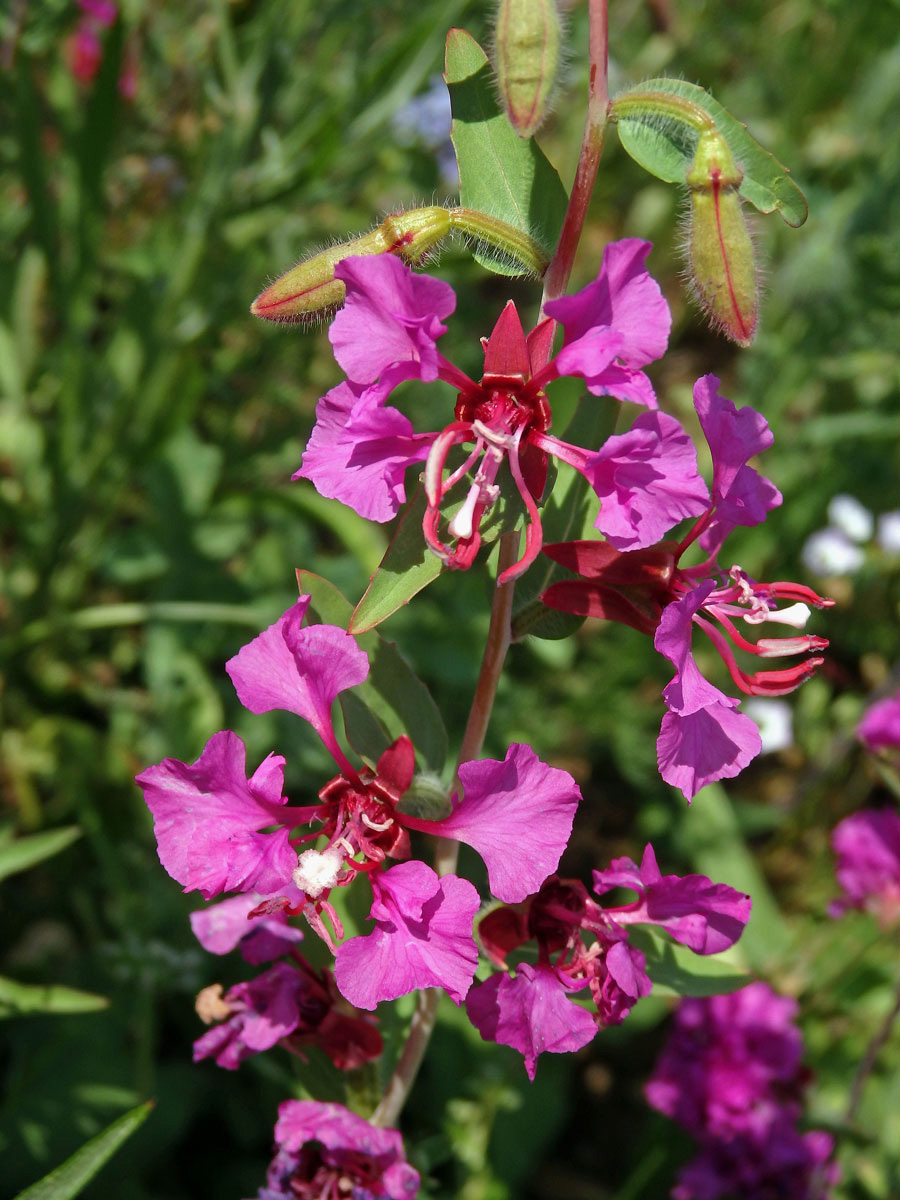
526	51
721	254
309	292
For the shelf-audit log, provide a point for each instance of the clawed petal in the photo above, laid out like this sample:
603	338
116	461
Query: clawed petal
707	744
300	670
359	451
531	1012
207	819
422	938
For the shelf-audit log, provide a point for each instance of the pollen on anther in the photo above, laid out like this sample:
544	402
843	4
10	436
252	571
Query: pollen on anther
317	871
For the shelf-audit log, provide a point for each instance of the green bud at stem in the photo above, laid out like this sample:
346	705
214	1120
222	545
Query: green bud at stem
526	60
722	260
427	798
521	249
309	292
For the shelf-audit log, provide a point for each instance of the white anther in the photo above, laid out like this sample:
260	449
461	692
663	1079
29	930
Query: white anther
374	825
461	526
795	615
317	870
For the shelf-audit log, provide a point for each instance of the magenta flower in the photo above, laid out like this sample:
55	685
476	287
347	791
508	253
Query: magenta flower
422	938
706	917
220	928
288	1004
208	816
531	1011
387	331
703	737
325	1150
732	1076
867	847
219	831
880	727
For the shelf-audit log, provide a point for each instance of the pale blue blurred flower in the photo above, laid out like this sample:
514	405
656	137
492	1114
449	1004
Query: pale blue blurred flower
830	552
775	719
851	517
425	121
888	536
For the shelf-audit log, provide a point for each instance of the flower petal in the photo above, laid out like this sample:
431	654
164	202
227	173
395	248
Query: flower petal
422	938
359	451
518	815
705	745
391	319
207	816
647	481
298	670
530	1012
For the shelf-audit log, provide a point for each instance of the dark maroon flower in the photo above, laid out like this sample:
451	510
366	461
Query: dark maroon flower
326	1152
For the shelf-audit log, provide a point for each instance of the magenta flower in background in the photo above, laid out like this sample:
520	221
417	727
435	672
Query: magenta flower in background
219	830
703	737
387	332
221	928
867	848
531	1010
324	1150
290	1004
731	1074
880	727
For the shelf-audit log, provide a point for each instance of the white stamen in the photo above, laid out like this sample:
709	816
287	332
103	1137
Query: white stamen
796	615
318	870
461	526
378	828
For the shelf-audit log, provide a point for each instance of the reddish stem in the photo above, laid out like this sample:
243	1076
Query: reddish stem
447	851
557	277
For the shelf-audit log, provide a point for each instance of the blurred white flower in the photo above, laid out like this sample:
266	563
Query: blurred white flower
830	552
775	720
851	518
888	536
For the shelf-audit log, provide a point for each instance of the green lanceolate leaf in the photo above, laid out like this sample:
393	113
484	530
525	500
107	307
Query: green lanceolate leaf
659	123
76	1172
393	700
500	173
681	972
22	999
407	567
25	852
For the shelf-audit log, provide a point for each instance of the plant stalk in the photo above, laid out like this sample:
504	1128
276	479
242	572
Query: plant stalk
557	278
447	851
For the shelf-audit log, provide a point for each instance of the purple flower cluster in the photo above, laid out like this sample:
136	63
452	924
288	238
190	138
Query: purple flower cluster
880	727
326	1152
531	1010
732	1076
219	830
646	480
867	848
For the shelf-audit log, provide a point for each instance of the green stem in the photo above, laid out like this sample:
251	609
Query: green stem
447	851
868	1060
557	278
662	104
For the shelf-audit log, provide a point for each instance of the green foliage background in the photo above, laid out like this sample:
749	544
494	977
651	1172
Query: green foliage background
148	430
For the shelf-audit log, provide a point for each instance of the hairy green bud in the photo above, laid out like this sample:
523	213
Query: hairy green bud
427	798
526	54
720	251
309	292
